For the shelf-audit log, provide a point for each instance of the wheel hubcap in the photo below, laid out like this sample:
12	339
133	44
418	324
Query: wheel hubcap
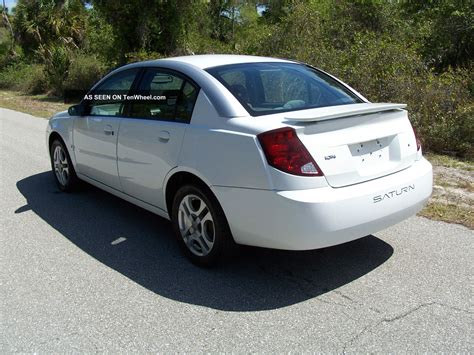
61	167
196	225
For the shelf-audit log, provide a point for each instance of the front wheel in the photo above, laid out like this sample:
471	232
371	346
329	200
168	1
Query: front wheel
200	226
62	167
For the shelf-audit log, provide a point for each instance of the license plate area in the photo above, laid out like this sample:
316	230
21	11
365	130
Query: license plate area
371	155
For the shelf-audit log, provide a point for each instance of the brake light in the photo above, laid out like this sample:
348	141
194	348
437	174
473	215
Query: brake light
284	151
418	142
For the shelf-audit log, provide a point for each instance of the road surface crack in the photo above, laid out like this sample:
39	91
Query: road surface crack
400	316
350	299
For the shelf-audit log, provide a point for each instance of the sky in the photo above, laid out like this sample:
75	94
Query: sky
9	3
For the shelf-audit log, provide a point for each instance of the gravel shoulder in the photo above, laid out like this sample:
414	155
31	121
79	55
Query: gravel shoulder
453	191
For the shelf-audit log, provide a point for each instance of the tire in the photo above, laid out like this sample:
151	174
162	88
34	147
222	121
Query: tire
61	165
200	226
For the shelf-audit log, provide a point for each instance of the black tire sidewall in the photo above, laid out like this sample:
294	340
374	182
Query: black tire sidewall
222	238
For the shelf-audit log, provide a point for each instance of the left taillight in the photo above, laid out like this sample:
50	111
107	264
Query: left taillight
284	151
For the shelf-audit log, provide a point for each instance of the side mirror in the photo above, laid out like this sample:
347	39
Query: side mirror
76	110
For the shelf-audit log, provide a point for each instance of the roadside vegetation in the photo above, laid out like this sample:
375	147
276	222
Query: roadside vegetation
415	52
40	105
453	191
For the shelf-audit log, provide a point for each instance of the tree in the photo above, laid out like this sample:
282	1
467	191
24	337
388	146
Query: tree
276	10
156	25
445	30
40	24
6	22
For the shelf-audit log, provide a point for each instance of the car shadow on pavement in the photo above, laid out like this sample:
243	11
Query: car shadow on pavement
141	246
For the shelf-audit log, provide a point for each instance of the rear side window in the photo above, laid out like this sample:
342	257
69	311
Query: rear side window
172	97
266	88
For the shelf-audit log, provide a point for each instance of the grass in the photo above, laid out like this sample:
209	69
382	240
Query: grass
452	198
450	162
37	105
453	192
450	213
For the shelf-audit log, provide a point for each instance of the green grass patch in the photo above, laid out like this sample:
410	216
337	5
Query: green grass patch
450	213
37	105
450	162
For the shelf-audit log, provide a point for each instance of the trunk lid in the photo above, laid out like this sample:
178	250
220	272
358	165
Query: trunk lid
358	142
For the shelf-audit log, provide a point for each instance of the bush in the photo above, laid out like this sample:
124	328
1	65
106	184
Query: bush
384	68
10	76
141	56
84	71
29	79
57	60
441	108
35	81
99	37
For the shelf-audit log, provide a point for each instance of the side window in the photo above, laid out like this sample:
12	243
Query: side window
106	103
170	97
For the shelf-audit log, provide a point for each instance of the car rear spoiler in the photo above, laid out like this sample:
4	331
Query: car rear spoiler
332	112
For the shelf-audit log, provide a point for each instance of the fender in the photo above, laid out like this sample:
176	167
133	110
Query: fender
63	124
182	169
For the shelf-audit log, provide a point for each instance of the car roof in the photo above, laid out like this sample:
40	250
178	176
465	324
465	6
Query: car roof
205	61
193	67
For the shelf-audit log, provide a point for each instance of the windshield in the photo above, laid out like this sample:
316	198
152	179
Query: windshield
267	88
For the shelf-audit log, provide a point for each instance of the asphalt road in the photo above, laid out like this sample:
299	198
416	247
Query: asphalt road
87	272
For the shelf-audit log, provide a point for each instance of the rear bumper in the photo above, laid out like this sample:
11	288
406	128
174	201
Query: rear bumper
317	218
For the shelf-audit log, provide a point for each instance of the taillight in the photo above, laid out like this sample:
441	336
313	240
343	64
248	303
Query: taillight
284	151
418	142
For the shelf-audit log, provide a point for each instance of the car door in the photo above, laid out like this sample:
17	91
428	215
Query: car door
150	138
95	135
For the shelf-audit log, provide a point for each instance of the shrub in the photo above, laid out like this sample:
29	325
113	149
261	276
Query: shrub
443	112
99	37
84	71
10	76
57	60
4	54
29	79
141	56
384	68
35	81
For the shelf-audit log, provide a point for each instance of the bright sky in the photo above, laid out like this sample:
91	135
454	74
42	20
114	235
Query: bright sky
9	3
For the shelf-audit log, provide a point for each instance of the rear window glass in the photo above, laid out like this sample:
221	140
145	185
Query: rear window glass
266	88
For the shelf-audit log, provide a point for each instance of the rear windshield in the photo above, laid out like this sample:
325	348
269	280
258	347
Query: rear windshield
266	88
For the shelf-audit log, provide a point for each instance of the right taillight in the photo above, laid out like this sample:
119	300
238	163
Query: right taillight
284	151
418	143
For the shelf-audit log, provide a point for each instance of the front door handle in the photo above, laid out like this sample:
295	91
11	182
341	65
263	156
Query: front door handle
108	130
164	136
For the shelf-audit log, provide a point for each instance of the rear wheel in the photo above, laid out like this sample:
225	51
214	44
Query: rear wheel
200	226
62	167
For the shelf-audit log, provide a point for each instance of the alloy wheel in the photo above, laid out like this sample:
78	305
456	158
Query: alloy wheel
196	225
61	166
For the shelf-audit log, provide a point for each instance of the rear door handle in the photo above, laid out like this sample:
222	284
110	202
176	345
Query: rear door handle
164	136
108	130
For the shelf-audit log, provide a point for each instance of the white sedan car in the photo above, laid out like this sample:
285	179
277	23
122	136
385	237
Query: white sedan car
241	149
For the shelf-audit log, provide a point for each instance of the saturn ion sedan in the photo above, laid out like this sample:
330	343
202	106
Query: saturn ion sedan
243	150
